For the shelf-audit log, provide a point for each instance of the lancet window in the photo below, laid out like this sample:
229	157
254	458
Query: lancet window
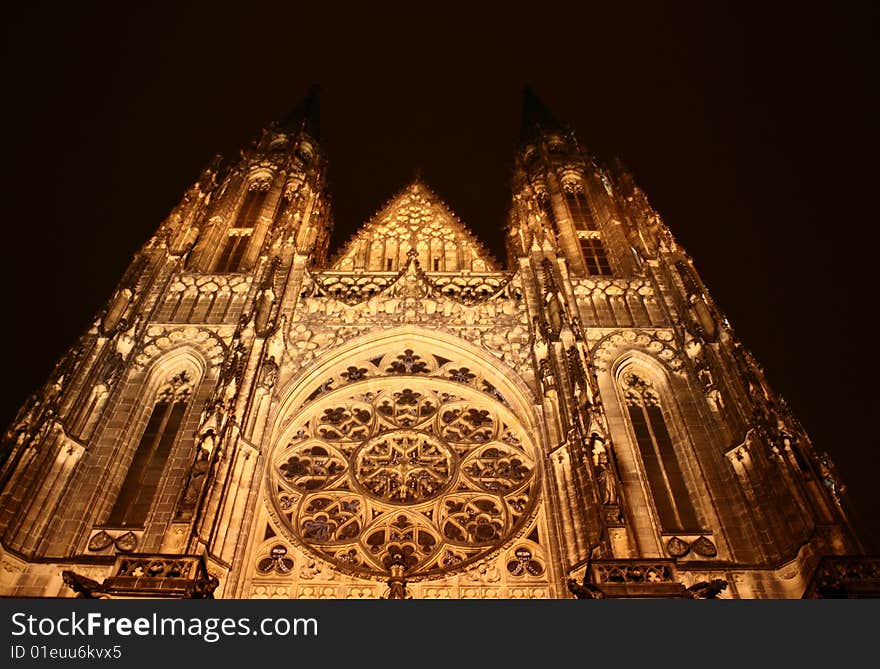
595	257
579	210
666	481
251	207
148	464
240	233
233	251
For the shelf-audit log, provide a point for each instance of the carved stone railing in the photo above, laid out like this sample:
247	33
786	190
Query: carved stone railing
618	302
633	571
355	287
636	578
204	298
155	576
849	577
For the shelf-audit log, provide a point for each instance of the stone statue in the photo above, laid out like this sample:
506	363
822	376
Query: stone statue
607	484
604	474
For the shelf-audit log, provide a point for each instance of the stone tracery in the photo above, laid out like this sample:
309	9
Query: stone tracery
414	221
404	362
431	467
392	462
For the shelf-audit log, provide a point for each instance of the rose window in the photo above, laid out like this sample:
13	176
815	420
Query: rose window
403	466
422	467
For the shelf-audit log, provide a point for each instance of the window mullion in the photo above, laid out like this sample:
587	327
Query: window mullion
655	444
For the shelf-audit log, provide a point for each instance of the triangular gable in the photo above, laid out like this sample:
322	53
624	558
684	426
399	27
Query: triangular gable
414	219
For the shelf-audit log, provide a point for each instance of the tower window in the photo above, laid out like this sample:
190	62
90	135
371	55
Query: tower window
389	264
580	212
436	264
665	479
250	208
233	252
595	257
142	480
283	205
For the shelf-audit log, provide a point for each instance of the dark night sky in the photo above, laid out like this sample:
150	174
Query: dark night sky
752	129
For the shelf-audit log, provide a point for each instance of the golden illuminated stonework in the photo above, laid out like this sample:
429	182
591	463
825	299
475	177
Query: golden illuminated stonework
403	466
414	459
411	418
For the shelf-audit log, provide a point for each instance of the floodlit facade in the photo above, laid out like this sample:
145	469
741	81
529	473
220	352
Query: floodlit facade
250	418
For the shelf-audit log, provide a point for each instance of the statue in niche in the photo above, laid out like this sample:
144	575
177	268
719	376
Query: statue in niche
704	374
268	373
604	474
715	401
197	474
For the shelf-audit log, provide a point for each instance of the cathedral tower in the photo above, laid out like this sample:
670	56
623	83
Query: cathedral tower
249	418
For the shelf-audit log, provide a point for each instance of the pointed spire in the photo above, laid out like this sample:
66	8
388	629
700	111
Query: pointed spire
536	117
306	114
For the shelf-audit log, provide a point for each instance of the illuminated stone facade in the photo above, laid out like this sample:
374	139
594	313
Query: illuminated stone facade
248	418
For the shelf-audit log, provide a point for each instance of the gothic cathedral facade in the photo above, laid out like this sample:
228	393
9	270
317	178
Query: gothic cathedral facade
249	418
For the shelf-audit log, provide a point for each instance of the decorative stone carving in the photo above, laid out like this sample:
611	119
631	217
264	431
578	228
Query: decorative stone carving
702	546
396	561
484	572
124	542
434	466
677	547
394	412
268	374
414	220
621	302
277	561
525	563
845	577
160	339
260	178
403	362
605	477
265	591
205	298
182	576
658	344
634	572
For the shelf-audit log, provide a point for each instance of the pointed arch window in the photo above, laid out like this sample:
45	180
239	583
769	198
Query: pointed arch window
240	233
251	207
665	478
148	464
579	209
595	258
589	236
233	251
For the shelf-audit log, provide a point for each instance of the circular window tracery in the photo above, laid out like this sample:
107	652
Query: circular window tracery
403	466
425	467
